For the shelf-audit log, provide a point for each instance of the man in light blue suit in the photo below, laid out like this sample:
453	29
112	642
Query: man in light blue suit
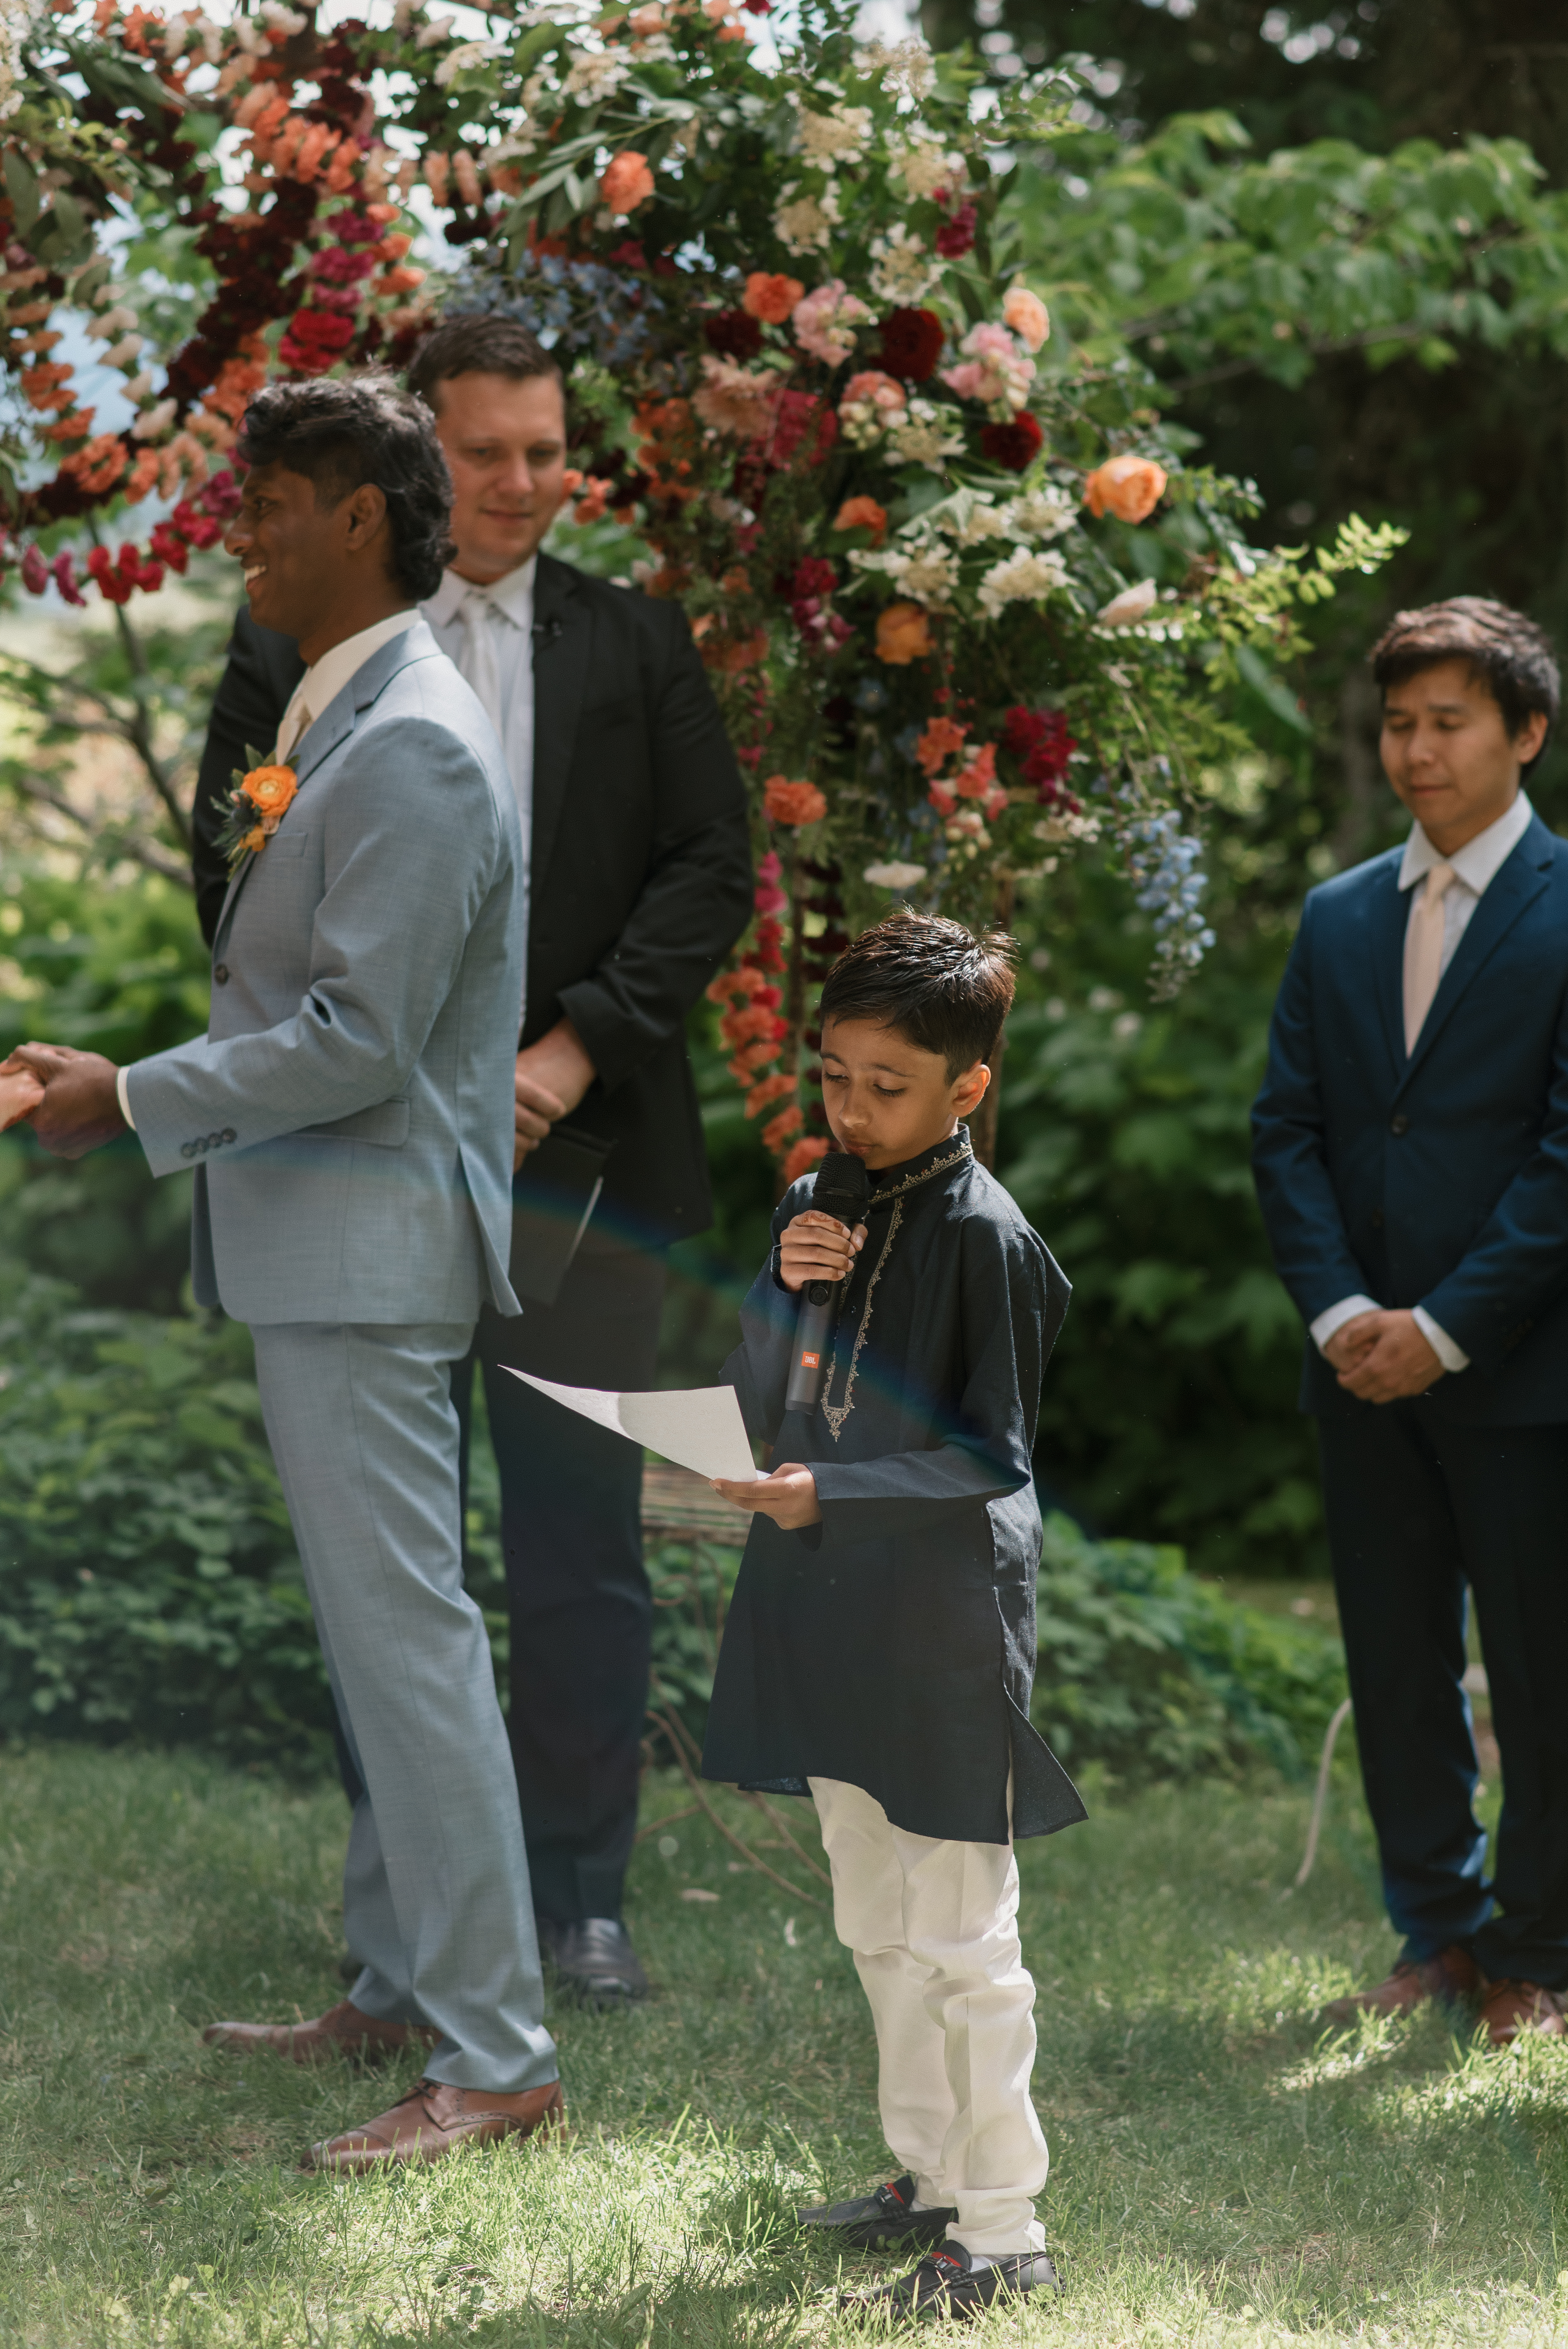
1411	1152
349	1114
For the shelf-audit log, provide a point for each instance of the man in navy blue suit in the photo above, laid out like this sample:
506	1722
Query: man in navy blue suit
1410	1146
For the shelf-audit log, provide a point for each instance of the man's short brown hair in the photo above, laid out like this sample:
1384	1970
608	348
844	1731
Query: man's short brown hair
478	342
1513	656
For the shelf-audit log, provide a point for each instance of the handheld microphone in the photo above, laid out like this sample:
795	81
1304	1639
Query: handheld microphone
842	1188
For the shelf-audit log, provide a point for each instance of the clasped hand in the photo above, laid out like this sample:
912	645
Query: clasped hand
1383	1357
553	1075
68	1096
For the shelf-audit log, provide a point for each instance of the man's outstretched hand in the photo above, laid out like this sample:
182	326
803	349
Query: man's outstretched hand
1383	1357
80	1108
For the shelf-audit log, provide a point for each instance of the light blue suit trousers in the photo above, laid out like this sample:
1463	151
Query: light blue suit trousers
434	1891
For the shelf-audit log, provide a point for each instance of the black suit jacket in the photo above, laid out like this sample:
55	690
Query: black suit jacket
640	869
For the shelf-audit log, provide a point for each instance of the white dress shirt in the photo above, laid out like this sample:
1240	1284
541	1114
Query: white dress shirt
1475	866
488	633
321	684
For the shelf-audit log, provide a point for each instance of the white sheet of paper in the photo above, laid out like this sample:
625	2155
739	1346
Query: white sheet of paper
697	1427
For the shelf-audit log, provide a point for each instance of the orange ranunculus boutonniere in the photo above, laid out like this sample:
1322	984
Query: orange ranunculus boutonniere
258	803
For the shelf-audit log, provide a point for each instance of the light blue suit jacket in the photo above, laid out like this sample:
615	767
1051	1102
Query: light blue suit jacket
349	1111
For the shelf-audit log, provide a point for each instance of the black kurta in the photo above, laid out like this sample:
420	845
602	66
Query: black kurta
892	1646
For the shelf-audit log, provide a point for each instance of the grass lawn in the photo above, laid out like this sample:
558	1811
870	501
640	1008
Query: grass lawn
1221	2172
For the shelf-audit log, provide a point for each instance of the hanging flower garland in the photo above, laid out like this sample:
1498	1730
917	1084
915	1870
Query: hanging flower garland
964	604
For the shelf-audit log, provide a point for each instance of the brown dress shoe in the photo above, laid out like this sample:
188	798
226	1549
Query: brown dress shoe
431	2119
1512	2008
1452	1976
342	2030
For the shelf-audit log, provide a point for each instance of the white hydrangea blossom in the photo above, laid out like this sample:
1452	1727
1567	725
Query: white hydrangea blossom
1022	578
902	272
457	60
840	136
805	223
923	163
927	574
971	516
1043	513
17	18
904	66
920	436
895	875
596	74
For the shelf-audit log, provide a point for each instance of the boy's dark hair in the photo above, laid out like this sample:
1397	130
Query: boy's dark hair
477	342
1513	656
342	433
932	980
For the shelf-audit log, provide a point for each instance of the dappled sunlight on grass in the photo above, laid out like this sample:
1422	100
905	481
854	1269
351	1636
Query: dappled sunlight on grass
1225	2174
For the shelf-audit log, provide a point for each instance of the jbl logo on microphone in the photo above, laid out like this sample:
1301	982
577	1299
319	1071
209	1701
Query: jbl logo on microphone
811	1362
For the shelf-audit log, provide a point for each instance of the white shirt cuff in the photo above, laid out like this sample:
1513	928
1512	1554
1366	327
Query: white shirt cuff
122	1095
1452	1356
1323	1328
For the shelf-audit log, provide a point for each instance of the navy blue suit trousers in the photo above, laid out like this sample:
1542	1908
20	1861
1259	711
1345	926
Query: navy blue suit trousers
1440	1178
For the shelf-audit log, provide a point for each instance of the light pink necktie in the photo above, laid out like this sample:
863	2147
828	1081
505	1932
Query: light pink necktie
1424	950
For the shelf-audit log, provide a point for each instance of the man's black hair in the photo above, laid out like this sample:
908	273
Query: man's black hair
344	433
1513	658
934	981
478	342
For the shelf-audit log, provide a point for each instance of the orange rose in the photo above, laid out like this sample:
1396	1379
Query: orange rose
772	299
862	513
727	654
270	789
787	803
904	635
1128	487
1028	316
941	739
627	183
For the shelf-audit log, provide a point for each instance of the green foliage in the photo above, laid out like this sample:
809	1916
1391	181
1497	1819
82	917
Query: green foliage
109	968
1154	1675
149	1581
1205	259
1168	1409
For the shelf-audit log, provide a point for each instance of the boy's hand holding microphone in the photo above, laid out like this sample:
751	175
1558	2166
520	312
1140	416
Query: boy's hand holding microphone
817	1251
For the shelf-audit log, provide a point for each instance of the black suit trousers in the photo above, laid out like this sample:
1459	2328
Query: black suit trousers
1419	1510
579	1606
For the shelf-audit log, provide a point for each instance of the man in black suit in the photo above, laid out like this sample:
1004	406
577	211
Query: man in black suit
1411	1150
640	880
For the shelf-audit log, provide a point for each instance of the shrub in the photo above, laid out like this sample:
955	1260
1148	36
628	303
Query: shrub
1144	1668
148	1572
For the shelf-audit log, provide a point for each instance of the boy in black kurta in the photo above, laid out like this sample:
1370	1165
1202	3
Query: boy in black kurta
880	1648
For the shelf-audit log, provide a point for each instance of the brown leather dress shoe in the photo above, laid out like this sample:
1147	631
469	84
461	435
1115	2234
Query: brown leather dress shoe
342	2030
1512	2008
1452	1976
431	2119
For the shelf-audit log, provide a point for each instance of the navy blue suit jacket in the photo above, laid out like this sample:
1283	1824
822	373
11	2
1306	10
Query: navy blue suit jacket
1440	1179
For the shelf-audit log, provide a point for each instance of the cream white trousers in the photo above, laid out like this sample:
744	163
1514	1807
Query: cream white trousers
933	1928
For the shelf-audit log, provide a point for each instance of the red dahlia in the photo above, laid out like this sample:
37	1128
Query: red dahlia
1014	445
733	334
956	236
910	344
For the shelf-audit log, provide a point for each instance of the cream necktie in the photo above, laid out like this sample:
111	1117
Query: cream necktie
478	662
297	723
1424	949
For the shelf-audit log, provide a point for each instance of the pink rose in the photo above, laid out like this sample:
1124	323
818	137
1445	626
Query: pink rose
825	322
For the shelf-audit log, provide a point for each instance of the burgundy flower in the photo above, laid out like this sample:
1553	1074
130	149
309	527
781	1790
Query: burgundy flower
957	235
733	334
1039	741
910	344
1014	445
315	340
